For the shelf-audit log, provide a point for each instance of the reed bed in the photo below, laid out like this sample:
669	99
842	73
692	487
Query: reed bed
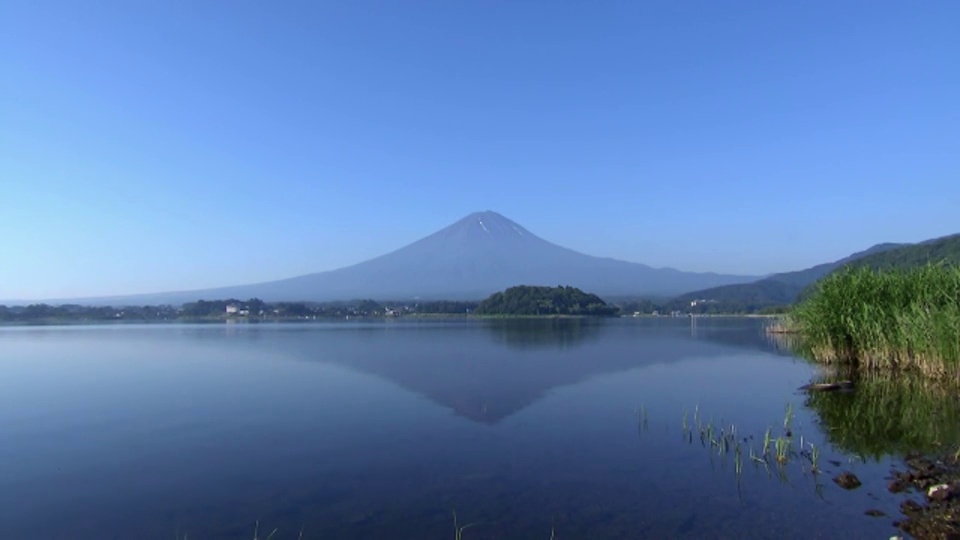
884	319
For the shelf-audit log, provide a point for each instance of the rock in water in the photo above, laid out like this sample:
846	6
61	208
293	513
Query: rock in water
847	480
828	387
942	492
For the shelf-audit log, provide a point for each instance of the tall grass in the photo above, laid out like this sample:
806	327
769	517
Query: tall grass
884	319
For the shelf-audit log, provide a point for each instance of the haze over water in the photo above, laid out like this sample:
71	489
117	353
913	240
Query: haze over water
382	429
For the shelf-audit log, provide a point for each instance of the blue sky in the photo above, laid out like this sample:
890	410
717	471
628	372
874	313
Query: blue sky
151	146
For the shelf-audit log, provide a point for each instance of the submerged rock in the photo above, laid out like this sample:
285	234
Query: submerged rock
847	480
943	492
828	387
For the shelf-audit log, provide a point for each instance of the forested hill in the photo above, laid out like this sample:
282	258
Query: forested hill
783	289
936	251
807	276
776	290
530	300
745	298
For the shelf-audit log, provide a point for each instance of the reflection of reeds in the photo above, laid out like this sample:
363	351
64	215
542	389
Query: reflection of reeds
256	532
779	326
890	413
458	529
738	460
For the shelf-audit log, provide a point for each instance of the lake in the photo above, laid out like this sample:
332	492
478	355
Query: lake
383	429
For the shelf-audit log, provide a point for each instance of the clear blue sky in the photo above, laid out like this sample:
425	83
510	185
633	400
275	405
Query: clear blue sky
151	146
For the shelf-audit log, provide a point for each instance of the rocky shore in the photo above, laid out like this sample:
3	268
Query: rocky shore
936	513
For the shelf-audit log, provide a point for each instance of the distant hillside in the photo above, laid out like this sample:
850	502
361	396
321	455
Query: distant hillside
945	250
743	298
802	278
776	290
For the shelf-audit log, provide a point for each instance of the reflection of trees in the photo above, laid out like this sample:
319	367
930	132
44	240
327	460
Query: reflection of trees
559	333
889	414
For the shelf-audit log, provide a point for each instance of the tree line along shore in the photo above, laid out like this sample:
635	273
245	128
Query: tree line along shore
515	301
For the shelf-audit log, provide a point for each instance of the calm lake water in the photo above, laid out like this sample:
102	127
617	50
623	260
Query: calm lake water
382	429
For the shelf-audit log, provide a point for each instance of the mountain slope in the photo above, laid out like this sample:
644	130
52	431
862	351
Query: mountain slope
471	259
785	288
802	278
776	290
937	250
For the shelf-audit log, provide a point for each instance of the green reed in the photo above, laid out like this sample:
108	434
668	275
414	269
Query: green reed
884	319
782	446
814	458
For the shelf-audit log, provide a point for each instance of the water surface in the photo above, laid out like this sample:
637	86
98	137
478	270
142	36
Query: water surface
382	429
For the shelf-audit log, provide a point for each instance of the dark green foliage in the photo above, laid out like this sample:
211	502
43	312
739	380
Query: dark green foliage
72	312
292	309
530	300
640	305
201	310
446	307
207	308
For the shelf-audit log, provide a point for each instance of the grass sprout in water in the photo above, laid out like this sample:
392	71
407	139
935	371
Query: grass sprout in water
783	450
814	458
777	453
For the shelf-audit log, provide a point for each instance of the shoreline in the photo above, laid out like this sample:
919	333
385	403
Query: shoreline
461	316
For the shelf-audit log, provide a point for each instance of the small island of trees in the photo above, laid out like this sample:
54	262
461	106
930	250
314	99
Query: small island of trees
530	300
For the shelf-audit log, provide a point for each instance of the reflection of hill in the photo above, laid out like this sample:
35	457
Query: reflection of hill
489	370
543	333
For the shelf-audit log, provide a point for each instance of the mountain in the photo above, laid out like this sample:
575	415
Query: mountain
775	290
482	253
